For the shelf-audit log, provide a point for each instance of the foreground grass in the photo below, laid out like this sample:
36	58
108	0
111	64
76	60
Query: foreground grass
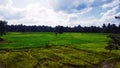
53	57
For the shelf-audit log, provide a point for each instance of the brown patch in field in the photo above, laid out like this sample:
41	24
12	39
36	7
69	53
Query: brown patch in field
2	40
0	65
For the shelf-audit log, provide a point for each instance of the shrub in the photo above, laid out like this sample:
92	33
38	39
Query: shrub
114	42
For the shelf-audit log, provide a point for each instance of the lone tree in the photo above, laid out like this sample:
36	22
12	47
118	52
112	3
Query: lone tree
2	28
114	42
59	29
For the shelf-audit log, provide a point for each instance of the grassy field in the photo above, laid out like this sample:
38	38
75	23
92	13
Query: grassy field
45	50
81	40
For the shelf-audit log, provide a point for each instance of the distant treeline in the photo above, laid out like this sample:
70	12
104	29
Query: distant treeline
109	28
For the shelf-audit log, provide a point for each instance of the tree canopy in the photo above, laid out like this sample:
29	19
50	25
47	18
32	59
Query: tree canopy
2	27
106	28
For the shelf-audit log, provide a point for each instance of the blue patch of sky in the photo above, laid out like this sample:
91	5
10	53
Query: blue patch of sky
68	6
96	12
99	2
81	6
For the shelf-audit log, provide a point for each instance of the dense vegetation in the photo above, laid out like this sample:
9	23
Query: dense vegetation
110	28
56	57
3	25
67	50
55	47
114	42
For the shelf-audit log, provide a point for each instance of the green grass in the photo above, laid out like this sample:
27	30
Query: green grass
45	50
82	40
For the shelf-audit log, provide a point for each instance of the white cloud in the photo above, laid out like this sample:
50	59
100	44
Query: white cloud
111	12
1	18
108	17
39	13
42	12
112	4
86	10
5	3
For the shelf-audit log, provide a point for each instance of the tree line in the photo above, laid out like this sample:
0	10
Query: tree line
109	28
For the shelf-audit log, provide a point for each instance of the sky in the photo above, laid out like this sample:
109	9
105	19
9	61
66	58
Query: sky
60	12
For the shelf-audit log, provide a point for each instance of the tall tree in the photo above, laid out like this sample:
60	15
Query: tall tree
2	28
104	28
118	29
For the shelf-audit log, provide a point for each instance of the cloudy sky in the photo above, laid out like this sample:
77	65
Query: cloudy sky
60	12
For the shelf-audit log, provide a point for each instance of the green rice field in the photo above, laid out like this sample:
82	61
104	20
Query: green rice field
67	50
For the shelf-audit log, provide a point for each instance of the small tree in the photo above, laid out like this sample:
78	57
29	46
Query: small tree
2	27
113	43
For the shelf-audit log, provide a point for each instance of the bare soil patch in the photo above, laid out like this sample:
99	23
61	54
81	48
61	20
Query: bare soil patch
2	40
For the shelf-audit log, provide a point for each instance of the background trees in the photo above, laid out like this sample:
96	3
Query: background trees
59	29
109	28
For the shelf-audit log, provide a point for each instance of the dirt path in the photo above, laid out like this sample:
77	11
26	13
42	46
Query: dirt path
108	64
0	65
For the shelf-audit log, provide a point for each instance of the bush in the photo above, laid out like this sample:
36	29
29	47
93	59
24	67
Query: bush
1	39
114	42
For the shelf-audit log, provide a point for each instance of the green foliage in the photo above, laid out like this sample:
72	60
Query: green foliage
114	42
1	39
59	29
92	41
2	27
